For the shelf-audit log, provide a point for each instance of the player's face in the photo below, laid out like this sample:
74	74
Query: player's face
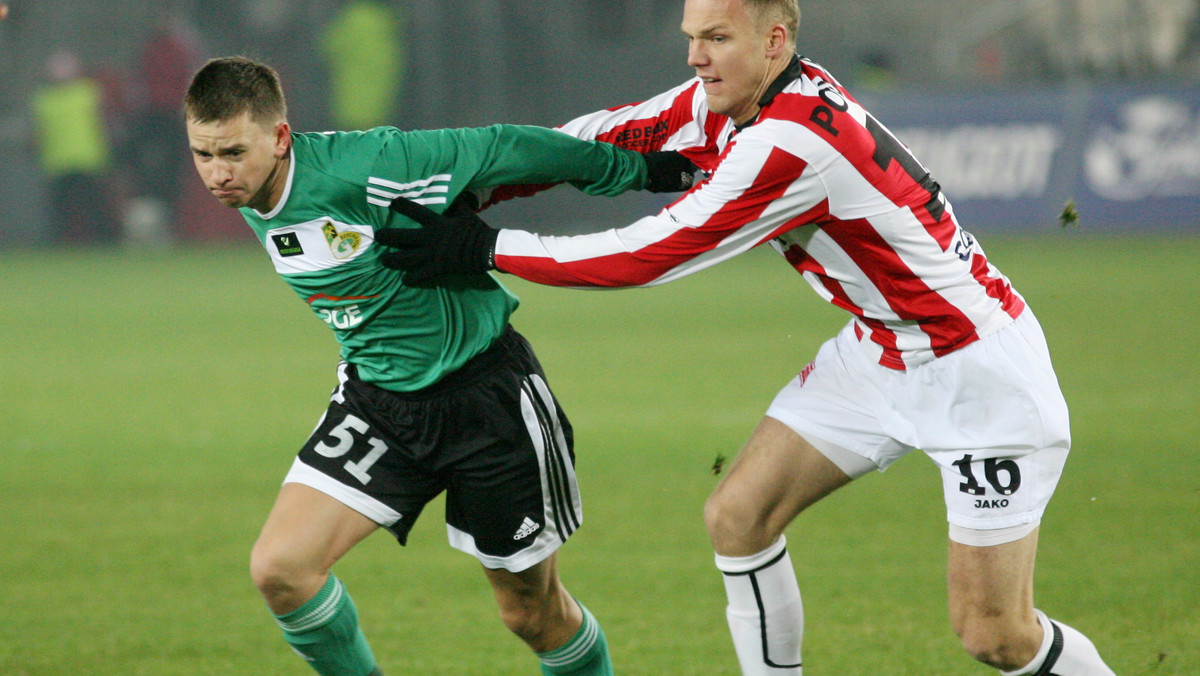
730	53
241	162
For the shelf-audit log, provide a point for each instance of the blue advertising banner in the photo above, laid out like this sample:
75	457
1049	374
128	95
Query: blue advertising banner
1128	158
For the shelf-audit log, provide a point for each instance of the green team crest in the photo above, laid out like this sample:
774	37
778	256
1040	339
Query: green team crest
342	244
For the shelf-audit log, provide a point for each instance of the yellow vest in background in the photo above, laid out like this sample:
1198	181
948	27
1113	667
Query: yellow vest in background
363	47
70	121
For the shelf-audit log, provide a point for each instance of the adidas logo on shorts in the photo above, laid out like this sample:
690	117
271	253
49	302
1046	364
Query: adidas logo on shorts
528	527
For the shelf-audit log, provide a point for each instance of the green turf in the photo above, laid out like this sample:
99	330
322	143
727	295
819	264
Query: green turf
152	402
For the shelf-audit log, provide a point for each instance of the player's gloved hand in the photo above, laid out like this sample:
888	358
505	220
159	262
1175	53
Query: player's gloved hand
668	171
457	242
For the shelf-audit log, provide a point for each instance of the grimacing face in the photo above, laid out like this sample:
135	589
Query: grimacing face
730	53
240	160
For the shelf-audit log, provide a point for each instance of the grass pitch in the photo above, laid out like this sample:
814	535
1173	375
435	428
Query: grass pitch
153	401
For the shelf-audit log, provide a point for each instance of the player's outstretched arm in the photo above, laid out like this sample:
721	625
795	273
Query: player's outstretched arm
701	229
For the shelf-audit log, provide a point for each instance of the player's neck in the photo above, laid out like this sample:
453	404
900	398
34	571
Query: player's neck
775	68
274	186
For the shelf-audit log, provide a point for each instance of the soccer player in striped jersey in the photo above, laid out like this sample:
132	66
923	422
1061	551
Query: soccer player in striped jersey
436	392
941	353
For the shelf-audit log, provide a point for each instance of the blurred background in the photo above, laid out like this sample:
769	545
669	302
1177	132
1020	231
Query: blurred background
1017	106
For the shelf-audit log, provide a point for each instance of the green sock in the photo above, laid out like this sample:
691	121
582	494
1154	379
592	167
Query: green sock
586	654
325	632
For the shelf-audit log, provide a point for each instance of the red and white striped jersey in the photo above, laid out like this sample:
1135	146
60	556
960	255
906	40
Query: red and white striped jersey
815	174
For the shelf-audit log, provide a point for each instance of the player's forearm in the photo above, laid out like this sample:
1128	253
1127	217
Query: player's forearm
673	120
651	251
534	155
594	260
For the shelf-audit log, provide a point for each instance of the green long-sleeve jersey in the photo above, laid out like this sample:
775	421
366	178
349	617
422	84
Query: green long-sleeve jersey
320	236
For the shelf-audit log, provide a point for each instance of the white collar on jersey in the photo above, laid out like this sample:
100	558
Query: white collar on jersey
287	188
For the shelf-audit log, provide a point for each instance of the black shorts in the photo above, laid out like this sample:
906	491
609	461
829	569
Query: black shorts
489	434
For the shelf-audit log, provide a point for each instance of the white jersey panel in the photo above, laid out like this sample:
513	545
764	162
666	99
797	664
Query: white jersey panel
317	245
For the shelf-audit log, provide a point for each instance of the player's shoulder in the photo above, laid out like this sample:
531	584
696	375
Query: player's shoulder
348	153
811	86
343	142
812	99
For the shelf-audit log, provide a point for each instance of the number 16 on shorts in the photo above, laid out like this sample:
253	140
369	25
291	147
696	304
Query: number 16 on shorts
987	493
1002	475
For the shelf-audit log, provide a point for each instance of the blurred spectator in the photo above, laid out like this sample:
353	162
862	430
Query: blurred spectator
74	151
364	49
1112	38
168	59
1169	24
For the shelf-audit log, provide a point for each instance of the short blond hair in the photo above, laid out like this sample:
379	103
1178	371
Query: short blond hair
770	12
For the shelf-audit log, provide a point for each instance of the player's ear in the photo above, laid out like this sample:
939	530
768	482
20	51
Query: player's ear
283	139
777	38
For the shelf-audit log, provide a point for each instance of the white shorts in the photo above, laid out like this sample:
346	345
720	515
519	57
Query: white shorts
991	415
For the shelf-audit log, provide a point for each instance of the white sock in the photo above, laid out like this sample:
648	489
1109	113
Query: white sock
1064	652
765	614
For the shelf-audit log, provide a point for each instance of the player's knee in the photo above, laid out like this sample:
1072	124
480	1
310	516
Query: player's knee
728	519
280	578
534	612
268	571
715	515
528	621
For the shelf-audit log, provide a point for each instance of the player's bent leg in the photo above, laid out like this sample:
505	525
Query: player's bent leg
991	608
536	607
776	476
306	532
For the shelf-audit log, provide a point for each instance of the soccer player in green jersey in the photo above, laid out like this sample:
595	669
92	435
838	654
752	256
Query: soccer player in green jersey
436	391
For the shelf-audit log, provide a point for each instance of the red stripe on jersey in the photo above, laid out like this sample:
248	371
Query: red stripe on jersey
674	251
996	287
880	334
884	337
336	299
906	293
649	133
708	157
803	262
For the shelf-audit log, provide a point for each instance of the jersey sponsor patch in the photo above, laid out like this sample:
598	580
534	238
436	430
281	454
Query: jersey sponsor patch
287	244
316	245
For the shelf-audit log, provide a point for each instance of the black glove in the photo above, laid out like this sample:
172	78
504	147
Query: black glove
457	242
668	171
